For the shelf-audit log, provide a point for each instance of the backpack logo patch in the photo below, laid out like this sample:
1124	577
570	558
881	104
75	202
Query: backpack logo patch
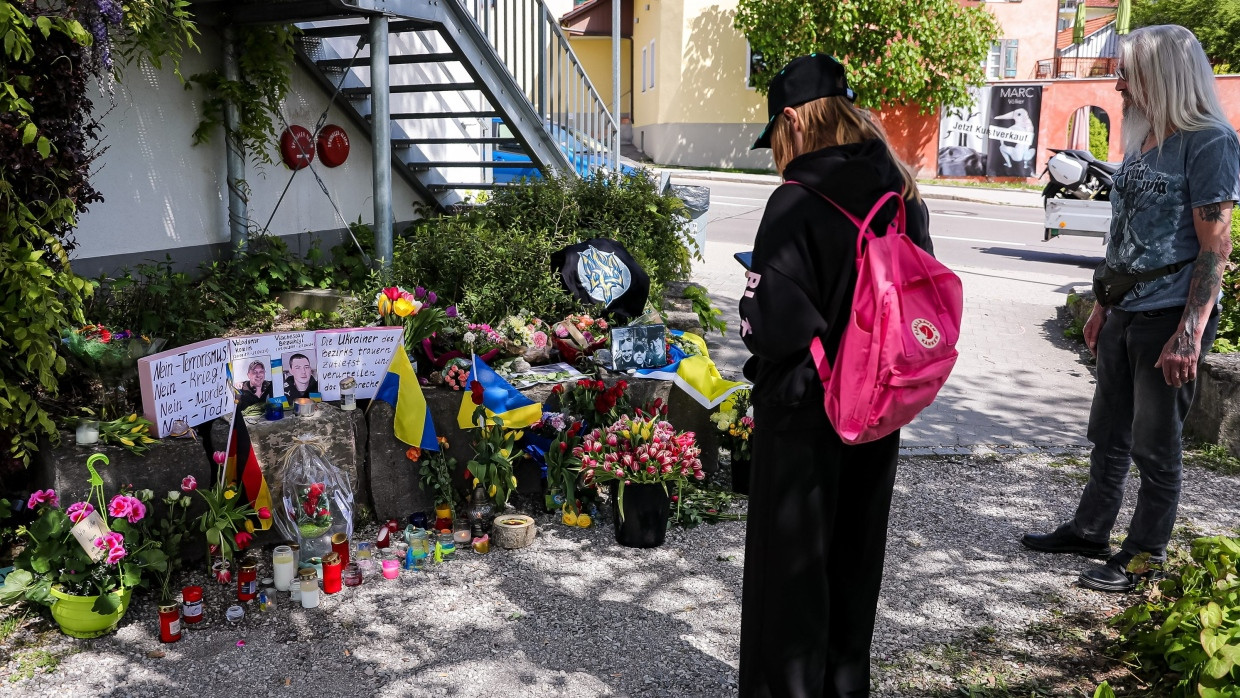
926	333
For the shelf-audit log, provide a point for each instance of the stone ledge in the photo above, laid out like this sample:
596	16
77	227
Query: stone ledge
1215	414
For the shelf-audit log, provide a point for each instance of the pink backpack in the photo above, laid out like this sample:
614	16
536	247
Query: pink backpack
900	343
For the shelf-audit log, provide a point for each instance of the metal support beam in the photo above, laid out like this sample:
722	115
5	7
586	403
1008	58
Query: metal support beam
238	202
615	82
381	139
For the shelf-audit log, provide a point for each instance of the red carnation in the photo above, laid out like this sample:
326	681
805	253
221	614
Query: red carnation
475	392
559	388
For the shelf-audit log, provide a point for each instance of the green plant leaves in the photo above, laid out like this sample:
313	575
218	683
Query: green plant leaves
106	604
15	586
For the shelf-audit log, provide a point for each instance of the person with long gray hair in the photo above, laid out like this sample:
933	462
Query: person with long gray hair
1157	299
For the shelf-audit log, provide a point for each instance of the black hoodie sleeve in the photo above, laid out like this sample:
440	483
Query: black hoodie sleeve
779	307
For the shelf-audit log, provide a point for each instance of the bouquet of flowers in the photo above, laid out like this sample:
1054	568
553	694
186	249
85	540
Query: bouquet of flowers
641	449
226	522
456	375
313	518
592	401
579	335
317	497
416	312
526	336
735	421
458	338
495	452
111	357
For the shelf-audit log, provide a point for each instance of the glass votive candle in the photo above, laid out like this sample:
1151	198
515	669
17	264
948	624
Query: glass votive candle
460	533
304	406
482	545
365	557
87	432
348	393
352	575
447	542
391	568
275	408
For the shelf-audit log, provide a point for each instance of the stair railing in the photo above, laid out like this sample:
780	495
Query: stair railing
533	48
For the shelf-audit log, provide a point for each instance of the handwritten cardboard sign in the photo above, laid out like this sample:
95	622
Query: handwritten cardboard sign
187	384
363	353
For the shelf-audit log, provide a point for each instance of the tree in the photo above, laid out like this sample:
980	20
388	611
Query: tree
1215	22
927	52
1099	138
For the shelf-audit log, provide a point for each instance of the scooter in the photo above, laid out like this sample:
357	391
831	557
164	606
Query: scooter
1077	199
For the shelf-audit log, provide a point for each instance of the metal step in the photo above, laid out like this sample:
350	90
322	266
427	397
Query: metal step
465	185
338	63
509	165
408	142
397	116
409	89
363	29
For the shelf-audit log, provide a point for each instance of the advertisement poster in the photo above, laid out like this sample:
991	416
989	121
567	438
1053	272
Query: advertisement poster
996	137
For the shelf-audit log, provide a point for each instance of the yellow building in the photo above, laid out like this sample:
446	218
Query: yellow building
684	90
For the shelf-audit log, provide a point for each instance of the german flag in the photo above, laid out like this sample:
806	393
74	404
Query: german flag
241	459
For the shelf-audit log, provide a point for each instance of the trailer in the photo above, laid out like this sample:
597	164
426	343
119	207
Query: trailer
1085	217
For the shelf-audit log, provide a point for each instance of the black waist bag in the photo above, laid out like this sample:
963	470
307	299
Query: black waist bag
1111	286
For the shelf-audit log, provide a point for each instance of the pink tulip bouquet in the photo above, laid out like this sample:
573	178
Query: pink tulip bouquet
639	449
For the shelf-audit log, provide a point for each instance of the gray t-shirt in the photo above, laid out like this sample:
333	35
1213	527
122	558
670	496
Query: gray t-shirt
1152	206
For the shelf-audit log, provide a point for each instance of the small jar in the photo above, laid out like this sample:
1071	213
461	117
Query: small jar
443	516
418	519
284	567
191	604
352	575
348	393
332	573
365	557
391	568
87	432
419	548
169	623
275	408
460	533
247	582
340	546
304	407
309	588
447	543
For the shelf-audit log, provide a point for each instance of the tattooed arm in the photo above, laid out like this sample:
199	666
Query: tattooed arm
1181	353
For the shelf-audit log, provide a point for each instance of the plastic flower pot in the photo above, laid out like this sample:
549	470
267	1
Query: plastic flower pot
76	618
647	508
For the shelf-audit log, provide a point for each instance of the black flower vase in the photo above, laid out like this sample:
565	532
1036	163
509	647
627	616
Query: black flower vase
647	508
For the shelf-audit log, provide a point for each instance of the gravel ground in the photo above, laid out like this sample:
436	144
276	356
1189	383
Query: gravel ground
964	605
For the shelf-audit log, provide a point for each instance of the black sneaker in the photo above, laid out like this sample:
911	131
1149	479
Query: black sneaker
1115	575
1063	540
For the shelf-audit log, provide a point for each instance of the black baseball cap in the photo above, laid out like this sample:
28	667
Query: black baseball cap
804	79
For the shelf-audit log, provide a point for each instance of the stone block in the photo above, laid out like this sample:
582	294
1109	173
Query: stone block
321	299
344	433
394	482
1215	414
1080	303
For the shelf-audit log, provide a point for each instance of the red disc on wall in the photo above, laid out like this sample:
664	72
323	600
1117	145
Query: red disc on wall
296	147
333	145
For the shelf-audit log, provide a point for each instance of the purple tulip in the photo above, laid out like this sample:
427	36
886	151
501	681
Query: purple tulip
419	292
431	298
451	311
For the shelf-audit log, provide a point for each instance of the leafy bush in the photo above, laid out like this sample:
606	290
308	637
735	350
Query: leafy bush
495	260
1184	636
1228	338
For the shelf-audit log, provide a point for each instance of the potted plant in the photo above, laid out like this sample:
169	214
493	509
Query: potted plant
85	560
494	454
735	422
640	456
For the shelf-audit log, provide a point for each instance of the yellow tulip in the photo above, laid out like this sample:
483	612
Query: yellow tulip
514	480
229	494
147	440
569	518
249	526
491	492
624	433
475	482
136	429
127	442
583	520
402	308
133	417
385	305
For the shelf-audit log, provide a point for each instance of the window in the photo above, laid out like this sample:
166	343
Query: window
644	70
651	84
754	64
1001	60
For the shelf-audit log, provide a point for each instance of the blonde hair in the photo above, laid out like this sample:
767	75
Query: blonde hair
1170	80
829	121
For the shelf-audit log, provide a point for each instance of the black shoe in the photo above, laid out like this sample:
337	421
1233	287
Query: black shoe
1063	540
1113	576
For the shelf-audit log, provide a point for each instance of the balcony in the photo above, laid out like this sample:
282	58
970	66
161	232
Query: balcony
1077	67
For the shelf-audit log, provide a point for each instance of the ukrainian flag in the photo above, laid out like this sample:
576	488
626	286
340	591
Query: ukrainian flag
499	398
412	423
696	375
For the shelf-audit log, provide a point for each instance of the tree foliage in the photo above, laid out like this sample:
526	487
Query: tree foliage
927	52
1215	22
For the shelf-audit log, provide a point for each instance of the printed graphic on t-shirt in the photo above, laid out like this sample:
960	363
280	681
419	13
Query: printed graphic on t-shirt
1149	204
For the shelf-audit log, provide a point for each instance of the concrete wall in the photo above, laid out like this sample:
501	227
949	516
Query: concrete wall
1033	23
163	195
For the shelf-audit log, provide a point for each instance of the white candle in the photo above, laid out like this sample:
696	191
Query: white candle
87	432
285	567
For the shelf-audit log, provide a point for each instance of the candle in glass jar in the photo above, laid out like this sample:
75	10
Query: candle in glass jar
460	533
348	390
391	568
365	557
340	546
352	575
285	566
447	543
304	406
247	582
331	573
309	588
88	432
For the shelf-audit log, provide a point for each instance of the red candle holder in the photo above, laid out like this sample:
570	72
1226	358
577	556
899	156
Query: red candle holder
340	546
331	573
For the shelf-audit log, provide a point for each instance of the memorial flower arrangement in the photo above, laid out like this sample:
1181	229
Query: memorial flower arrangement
495	451
416	312
226	522
579	335
89	548
563	470
526	336
111	357
639	449
735	422
591	400
435	471
312	515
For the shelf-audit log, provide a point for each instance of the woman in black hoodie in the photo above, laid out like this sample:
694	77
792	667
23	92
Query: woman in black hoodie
818	507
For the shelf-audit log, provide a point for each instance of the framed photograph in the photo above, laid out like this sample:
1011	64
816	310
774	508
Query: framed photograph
640	346
300	374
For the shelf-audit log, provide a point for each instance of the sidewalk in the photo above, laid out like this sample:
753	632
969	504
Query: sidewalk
979	195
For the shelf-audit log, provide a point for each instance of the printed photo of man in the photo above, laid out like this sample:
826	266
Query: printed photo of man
300	381
256	388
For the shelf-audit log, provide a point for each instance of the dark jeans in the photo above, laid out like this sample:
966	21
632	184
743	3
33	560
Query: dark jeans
814	546
1136	417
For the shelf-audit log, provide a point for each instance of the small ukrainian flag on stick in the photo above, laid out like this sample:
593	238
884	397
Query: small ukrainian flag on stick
412	423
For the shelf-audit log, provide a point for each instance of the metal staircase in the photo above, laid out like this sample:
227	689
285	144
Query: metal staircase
458	70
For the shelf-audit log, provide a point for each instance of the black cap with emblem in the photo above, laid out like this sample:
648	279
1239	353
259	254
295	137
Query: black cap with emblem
804	79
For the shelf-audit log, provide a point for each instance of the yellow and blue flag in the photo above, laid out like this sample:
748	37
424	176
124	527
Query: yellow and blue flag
498	397
696	374
412	423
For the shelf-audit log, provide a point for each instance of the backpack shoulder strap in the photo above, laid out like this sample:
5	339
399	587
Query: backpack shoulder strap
863	227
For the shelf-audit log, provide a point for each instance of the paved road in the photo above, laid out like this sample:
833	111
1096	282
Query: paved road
1018	383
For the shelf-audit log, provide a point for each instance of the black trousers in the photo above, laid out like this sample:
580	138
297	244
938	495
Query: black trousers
815	540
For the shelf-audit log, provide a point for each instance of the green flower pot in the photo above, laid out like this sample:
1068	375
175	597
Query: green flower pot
77	620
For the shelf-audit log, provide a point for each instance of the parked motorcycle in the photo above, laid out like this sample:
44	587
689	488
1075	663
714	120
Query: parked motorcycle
1077	199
